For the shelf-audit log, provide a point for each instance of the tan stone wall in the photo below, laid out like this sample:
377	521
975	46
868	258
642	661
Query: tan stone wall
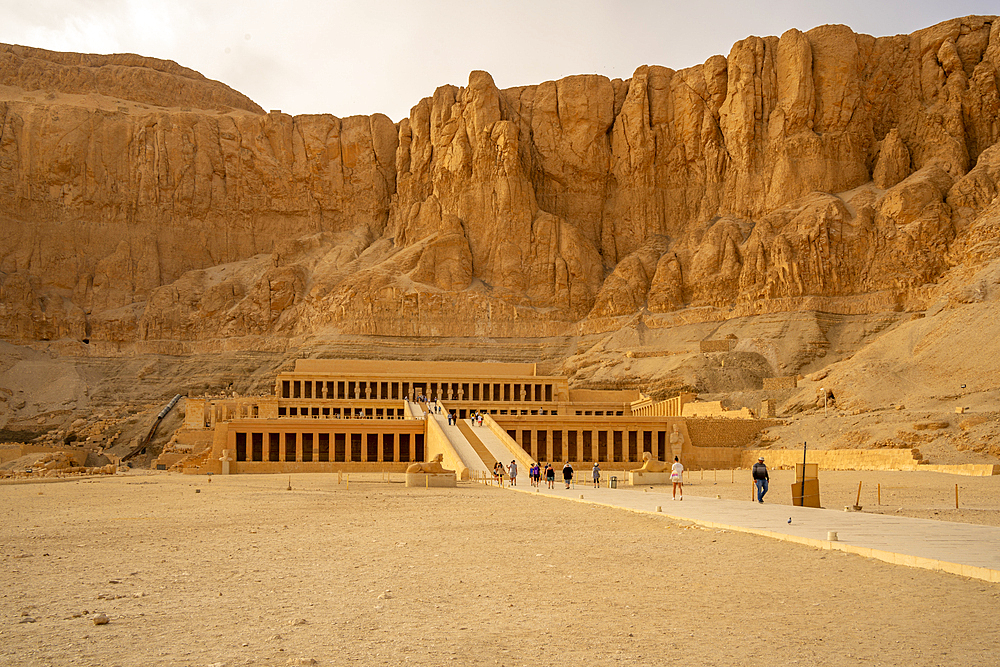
14	451
715	346
863	459
787	382
967	469
722	432
836	459
714	409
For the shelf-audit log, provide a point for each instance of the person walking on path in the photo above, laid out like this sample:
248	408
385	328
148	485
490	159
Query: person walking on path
596	472
535	473
677	477
567	474
550	475
513	473
760	478
498	473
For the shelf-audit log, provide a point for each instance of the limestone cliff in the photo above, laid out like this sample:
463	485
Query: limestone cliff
142	203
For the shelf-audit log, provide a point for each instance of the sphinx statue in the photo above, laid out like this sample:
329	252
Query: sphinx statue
433	466
650	464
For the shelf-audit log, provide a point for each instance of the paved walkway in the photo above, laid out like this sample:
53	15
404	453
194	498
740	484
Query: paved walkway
959	548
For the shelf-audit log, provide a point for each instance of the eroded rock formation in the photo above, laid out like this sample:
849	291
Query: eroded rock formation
140	202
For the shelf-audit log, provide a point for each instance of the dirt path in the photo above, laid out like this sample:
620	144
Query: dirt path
245	572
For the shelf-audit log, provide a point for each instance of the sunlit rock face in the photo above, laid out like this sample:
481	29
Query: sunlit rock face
142	204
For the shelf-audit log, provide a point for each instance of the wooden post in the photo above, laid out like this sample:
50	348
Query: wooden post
956	496
880	493
802	496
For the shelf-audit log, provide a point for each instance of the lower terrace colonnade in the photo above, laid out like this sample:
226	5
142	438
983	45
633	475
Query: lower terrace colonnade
605	440
281	441
593	445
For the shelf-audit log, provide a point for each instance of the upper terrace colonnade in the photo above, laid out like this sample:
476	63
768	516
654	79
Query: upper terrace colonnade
345	380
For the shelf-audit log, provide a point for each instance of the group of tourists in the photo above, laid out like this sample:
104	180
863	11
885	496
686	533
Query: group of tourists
536	472
499	470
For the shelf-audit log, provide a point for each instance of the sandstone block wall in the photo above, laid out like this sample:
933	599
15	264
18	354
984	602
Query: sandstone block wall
788	382
708	409
836	459
726	432
707	346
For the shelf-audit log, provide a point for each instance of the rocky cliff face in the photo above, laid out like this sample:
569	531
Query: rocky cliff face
140	202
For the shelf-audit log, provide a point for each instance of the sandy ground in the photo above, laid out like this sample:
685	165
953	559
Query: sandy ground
241	571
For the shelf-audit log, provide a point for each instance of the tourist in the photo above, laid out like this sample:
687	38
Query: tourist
550	475
567	474
513	473
498	473
596	472
480	418
760	478
677	477
533	474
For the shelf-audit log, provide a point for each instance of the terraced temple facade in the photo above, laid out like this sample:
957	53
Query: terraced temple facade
353	415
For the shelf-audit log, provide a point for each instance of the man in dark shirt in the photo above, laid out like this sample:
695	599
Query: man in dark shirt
760	478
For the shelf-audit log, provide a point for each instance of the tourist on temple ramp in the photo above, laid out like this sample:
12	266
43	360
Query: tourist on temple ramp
596	472
677	477
550	475
567	474
512	470
760	478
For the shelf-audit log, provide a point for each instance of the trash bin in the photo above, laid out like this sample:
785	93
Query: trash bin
614	482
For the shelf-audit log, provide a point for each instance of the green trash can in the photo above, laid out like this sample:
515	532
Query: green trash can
614	482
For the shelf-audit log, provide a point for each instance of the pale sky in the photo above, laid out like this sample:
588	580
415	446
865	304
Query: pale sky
363	57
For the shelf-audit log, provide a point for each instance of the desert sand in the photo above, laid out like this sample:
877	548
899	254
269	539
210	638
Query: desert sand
238	570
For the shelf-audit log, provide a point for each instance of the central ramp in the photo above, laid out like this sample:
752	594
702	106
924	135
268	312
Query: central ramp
463	446
488	458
